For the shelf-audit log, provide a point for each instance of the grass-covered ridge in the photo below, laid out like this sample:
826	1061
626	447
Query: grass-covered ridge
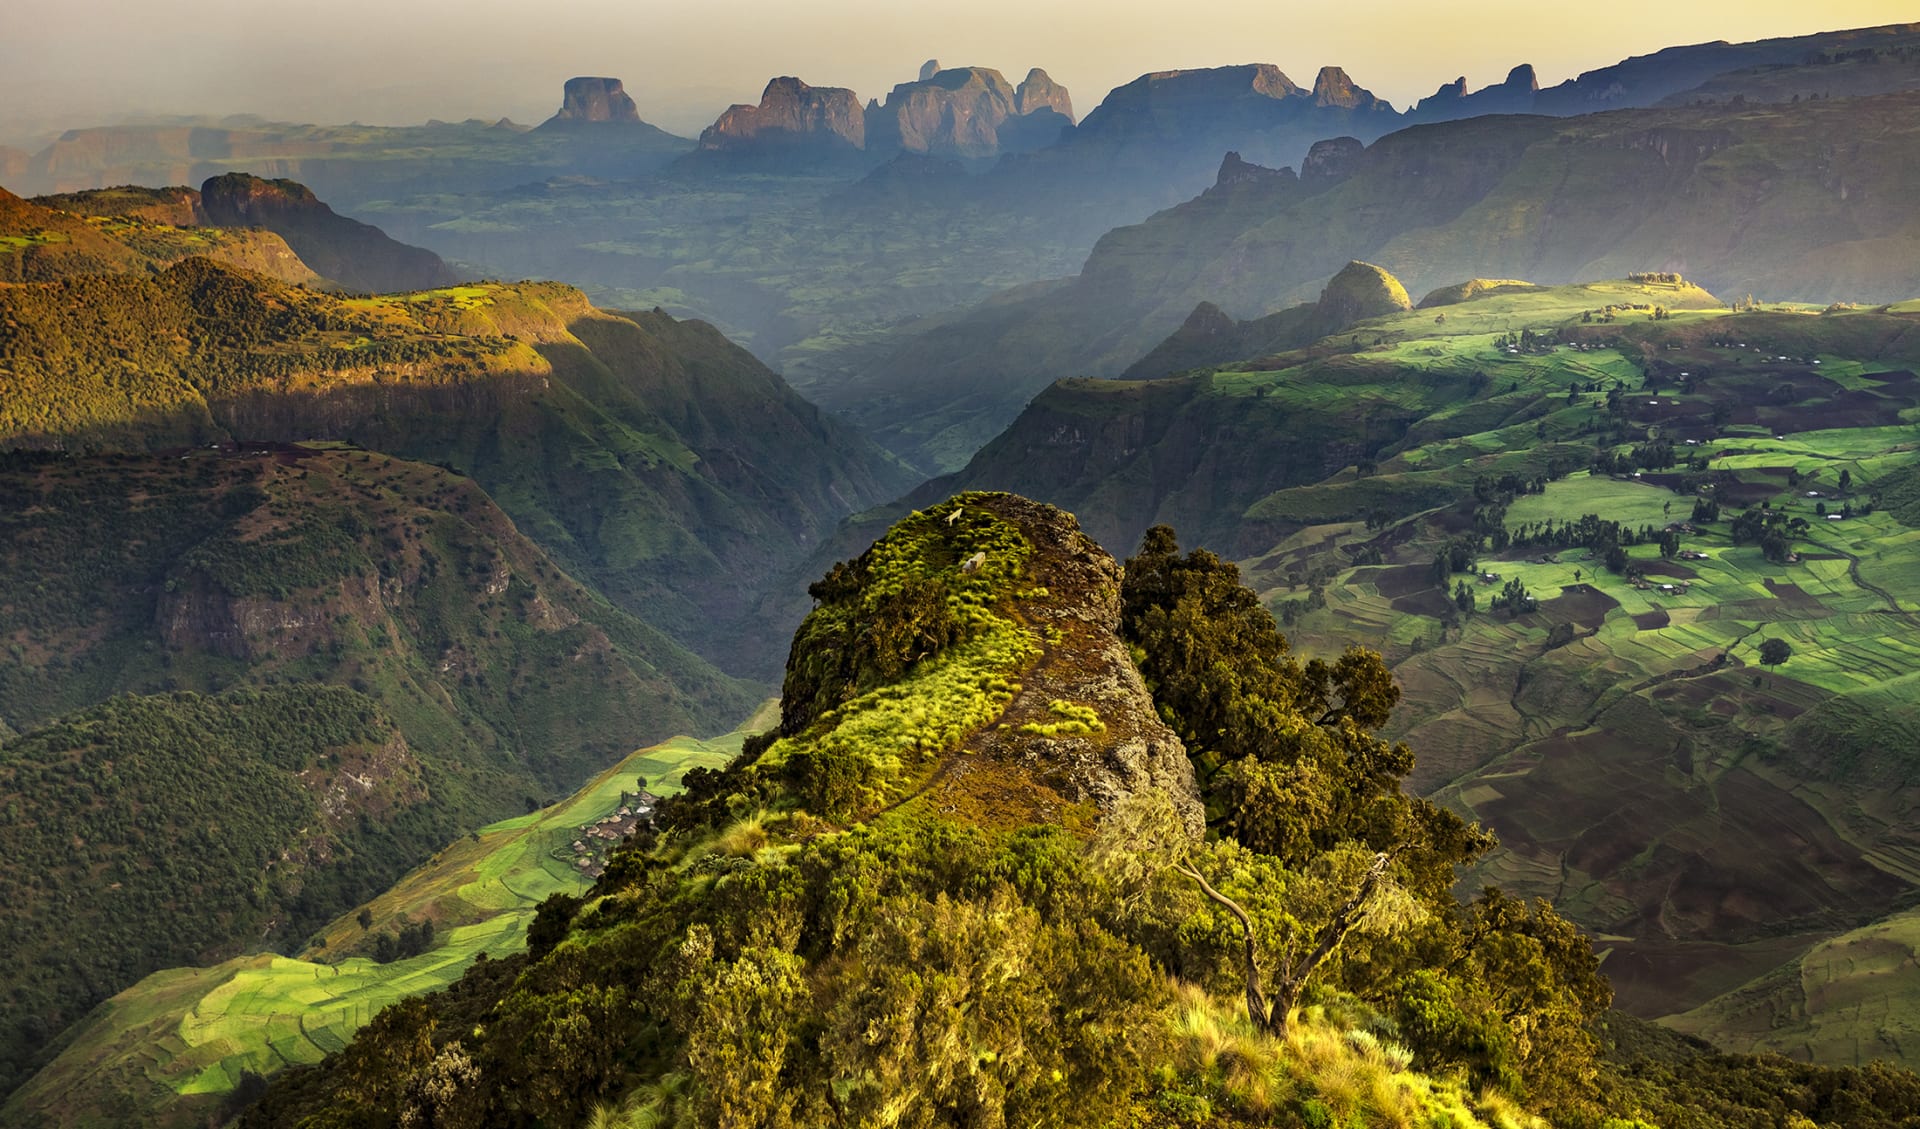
912	647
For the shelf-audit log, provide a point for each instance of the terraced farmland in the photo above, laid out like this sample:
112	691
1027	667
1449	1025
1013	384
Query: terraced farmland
1710	815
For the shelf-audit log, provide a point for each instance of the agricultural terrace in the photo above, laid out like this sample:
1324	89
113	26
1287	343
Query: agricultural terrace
1618	726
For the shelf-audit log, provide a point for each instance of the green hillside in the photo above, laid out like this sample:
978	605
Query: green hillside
966	877
1709	815
310	592
176	1045
39	243
651	457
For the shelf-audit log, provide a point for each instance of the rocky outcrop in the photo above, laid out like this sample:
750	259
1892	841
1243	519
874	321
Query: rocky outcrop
1451	102
1333	159
1332	88
1234	170
956	113
1086	664
1039	92
1024	766
1360	291
929	68
358	256
595	101
793	121
969	112
1172	119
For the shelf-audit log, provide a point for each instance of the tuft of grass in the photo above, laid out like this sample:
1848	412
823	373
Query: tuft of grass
1324	1072
1075	720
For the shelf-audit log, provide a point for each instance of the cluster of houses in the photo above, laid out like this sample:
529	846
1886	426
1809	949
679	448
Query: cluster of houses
597	839
1680	588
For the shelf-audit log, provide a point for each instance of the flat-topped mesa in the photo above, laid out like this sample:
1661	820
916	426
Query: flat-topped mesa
969	112
792	118
589	100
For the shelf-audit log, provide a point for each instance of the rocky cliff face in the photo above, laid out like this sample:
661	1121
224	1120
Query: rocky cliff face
595	101
1332	88
1039	92
1084	663
358	256
956	113
792	121
969	112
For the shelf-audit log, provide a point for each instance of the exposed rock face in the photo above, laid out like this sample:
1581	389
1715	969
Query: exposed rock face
1360	291
969	112
792	119
1332	159
1085	663
356	255
929	68
956	113
1039	92
595	100
1332	88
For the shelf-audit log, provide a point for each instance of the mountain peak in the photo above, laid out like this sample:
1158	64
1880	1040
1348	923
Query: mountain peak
1332	87
1236	170
1522	77
792	115
588	99
1039	92
929	68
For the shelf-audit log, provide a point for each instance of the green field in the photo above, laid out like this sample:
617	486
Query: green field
187	1032
1710	815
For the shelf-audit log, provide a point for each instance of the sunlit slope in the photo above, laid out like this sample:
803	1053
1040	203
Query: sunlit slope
651	456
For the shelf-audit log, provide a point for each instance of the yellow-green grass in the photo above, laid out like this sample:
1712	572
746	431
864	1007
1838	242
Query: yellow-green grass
192	1031
1630	502
11	243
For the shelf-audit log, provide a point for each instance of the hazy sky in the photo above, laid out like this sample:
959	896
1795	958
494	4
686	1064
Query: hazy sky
69	64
